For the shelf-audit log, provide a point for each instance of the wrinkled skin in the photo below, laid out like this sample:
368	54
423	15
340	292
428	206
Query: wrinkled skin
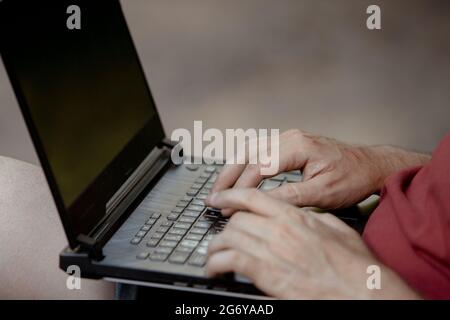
289	252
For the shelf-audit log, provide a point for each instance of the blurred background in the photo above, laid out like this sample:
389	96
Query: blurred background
309	64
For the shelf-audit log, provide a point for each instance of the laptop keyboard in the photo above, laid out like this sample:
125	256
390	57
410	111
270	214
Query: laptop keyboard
184	235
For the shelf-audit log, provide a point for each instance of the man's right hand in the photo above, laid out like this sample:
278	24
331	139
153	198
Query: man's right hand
335	174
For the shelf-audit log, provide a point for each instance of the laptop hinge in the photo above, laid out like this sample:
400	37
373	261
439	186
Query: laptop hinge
117	206
90	245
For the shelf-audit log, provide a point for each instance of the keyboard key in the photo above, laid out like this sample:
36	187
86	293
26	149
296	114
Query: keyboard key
201	196
186	199
203	224
212	214
193	236
145	228
182	204
135	240
187	219
209	237
210	169
158	256
293	176
197	260
269	185
179	257
140	234
152	242
217	229
205	175
201	180
201	231
167	243
157	235
207	219
155	215
204	243
162	229
213	178
198	202
177	210
150	221
214	231
189	243
185	249
192	192
164	250
178	231
142	255
182	225
197	186
202	250
223	222
195	208
167	224
173	216
209	185
173	237
207	190
279	178
192	167
191	214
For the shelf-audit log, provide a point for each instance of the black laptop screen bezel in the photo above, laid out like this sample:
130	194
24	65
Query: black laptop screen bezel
91	204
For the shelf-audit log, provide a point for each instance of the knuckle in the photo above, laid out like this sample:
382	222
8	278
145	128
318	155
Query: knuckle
294	133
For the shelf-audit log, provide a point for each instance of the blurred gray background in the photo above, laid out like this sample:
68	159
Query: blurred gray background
308	64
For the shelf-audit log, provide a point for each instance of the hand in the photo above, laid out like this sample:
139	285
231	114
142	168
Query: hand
291	253
335	174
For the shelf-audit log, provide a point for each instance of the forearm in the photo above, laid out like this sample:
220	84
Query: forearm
388	160
392	287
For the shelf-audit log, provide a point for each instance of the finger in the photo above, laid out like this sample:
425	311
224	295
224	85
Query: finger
232	261
235	164
227	177
237	240
227	212
248	199
254	225
302	194
252	175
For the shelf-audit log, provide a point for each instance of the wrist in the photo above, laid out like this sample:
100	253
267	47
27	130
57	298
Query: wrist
384	160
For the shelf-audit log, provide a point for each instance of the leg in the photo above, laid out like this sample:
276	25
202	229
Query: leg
31	237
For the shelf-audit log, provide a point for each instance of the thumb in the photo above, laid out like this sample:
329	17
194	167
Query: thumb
301	194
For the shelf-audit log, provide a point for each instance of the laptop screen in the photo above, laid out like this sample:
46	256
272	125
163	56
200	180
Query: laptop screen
85	95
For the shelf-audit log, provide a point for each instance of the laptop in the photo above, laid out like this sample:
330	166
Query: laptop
130	215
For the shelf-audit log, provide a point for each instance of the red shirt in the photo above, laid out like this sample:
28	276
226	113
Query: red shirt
410	229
